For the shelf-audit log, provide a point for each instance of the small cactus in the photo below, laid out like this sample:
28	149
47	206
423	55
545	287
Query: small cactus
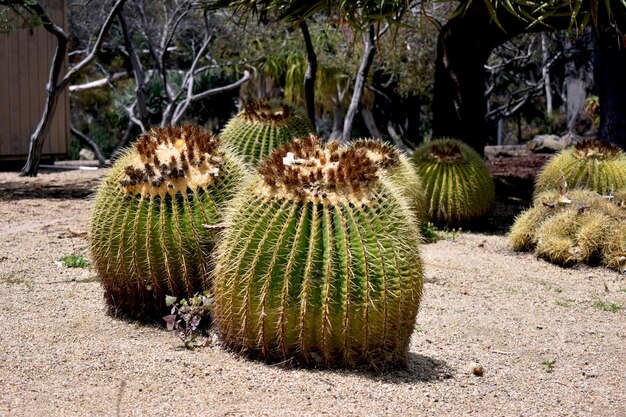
263	126
398	168
320	261
147	237
457	182
592	164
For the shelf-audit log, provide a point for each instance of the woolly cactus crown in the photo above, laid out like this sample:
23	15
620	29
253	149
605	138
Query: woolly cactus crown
172	160
593	164
398	168
304	170
264	126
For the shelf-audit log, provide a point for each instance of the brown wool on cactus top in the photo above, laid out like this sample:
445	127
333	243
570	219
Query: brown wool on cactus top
172	159
383	154
596	149
263	111
446	152
304	169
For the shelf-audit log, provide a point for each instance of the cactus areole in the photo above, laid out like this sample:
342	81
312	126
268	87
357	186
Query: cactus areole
147	237
264	126
319	262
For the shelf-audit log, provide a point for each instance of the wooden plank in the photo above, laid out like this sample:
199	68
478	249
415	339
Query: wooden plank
24	80
14	97
5	103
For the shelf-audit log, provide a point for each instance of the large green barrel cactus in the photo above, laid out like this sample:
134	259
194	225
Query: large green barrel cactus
264	126
398	168
457	182
320	261
147	237
593	164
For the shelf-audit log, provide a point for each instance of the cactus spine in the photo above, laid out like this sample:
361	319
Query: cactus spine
398	168
147	237
320	261
593	164
263	126
457	182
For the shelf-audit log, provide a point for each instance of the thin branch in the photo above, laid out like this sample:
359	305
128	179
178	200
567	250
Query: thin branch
212	92
85	140
87	60
366	63
97	83
311	72
138	72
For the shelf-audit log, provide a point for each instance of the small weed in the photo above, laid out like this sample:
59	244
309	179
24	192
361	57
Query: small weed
512	290
448	234
419	330
549	364
623	290
606	287
74	261
610	307
564	302
186	315
558	289
429	232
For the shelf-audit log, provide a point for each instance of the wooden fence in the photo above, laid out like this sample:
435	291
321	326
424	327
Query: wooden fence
25	59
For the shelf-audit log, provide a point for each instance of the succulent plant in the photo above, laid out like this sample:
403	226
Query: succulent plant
320	261
570	227
572	236
614	248
592	164
147	237
264	126
457	182
398	168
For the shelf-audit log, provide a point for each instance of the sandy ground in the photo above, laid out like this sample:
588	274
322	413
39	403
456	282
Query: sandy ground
546	345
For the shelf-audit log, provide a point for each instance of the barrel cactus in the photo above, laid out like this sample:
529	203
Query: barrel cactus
398	168
592	164
263	126
457	182
147	238
614	249
319	261
571	227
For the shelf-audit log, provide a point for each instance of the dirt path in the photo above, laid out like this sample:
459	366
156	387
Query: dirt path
542	334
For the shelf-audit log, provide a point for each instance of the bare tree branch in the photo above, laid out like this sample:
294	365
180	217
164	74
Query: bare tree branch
366	63
85	140
54	88
77	88
138	72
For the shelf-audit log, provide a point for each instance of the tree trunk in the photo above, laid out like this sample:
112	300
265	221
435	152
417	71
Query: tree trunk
311	73
463	46
359	83
610	76
546	74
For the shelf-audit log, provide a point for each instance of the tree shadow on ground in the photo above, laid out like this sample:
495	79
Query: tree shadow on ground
41	189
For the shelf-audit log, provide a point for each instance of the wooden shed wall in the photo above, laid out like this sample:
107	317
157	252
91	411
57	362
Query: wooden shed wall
25	59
